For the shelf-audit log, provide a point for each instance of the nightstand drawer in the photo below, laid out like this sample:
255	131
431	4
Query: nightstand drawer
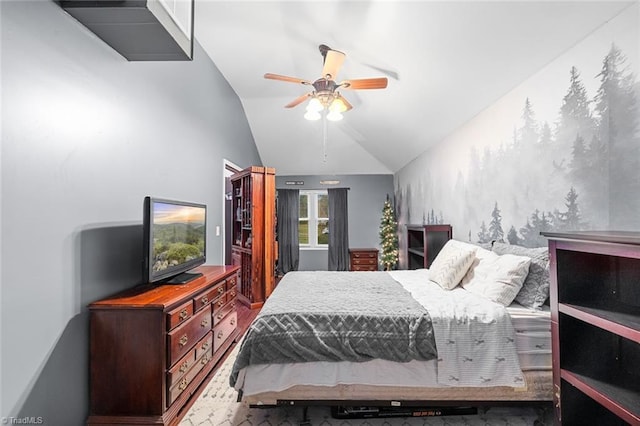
364	267
365	254
364	261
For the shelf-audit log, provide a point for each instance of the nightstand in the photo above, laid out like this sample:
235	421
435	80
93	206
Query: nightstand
363	259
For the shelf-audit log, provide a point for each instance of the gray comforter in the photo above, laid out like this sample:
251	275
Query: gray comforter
337	316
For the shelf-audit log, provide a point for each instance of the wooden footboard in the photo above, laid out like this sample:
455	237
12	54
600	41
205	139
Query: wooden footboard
538	388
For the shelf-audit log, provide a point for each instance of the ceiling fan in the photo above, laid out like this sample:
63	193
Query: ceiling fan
325	94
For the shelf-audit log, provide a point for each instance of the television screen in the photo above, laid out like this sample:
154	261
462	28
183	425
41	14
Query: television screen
175	234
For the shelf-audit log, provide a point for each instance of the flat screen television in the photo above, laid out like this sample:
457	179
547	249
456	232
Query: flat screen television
175	235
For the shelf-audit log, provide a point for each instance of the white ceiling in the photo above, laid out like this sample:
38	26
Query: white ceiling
446	61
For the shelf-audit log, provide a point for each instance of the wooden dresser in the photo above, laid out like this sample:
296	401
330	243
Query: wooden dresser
153	346
363	259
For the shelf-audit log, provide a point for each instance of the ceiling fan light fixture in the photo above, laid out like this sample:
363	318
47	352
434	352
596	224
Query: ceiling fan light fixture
312	115
334	116
315	105
337	105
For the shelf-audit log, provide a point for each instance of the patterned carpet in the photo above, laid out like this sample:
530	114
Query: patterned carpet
217	406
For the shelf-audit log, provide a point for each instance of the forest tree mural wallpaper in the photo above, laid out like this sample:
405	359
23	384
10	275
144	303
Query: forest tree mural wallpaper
572	164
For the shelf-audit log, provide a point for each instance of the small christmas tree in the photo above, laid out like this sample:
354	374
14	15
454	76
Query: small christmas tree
388	237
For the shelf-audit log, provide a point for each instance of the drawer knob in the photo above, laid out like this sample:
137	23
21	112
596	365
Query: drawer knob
233	293
183	340
233	321
221	304
183	314
205	359
220	315
183	384
184	366
205	300
220	334
220	290
204	323
205	346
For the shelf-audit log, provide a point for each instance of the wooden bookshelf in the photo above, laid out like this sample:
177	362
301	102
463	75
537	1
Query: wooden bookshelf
253	232
424	242
595	314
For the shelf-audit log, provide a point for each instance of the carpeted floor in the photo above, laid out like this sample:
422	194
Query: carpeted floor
217	406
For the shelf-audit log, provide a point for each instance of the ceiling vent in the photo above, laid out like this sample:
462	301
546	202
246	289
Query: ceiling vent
140	30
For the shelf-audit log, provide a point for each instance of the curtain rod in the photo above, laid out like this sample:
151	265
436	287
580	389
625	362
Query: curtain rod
315	189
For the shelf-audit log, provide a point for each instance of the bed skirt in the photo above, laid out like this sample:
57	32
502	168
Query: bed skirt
538	388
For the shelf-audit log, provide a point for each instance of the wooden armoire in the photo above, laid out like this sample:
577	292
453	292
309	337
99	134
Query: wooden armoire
253	233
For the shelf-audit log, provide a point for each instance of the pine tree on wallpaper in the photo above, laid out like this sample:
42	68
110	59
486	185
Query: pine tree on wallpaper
570	220
539	222
388	237
617	108
512	236
483	235
495	226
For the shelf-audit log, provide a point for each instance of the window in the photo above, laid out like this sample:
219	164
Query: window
313	228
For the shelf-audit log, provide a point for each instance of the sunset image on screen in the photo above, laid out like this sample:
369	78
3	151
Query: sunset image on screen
178	234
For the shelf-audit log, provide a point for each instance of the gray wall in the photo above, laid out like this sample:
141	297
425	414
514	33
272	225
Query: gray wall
367	194
85	136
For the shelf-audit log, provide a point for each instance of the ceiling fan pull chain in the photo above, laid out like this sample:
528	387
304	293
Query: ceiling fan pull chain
325	128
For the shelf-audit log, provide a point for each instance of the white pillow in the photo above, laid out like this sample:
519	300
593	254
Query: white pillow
452	263
498	278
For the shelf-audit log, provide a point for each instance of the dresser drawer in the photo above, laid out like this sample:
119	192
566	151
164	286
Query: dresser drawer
204	345
219	303
206	297
219	314
181	367
180	385
224	329
179	315
183	338
232	283
231	294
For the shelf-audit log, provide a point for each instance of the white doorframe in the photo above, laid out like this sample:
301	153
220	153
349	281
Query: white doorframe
228	168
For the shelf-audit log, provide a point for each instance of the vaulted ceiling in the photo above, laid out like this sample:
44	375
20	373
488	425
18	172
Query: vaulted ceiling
446	61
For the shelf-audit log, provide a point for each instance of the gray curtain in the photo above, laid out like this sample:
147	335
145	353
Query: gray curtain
288	213
338	229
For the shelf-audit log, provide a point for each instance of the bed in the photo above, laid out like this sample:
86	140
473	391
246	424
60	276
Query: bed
311	344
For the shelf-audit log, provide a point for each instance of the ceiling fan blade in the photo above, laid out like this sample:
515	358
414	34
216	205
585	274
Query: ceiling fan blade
365	83
298	100
332	64
279	77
